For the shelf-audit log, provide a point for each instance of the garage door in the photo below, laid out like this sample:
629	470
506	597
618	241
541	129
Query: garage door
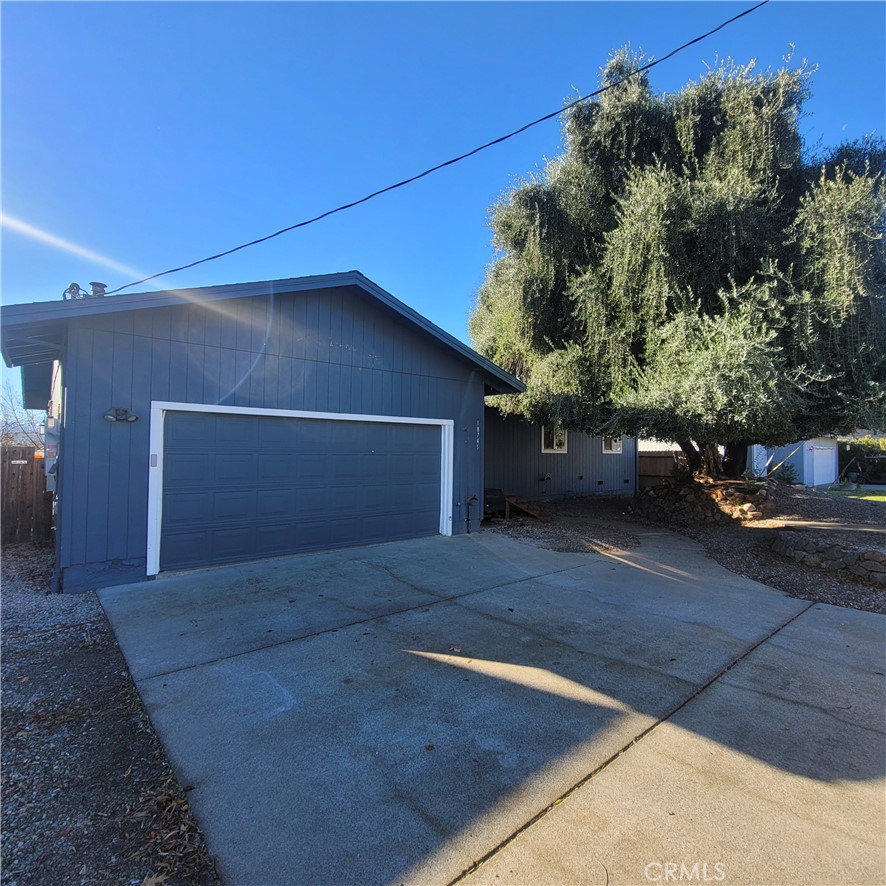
241	487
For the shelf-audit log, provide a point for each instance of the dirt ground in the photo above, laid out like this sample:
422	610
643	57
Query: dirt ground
87	794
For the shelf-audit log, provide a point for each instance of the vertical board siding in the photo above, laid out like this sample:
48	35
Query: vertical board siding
75	457
515	463
137	515
331	351
94	518
119	446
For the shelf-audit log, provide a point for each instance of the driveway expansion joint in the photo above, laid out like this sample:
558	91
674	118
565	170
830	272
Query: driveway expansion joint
625	748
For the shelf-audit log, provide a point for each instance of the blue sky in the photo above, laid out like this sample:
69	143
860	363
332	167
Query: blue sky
152	134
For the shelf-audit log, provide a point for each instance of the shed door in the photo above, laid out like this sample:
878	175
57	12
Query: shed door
823	463
241	487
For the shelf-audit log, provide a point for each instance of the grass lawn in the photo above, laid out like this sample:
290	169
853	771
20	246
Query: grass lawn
864	494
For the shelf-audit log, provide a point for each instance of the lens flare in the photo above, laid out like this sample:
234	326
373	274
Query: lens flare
38	234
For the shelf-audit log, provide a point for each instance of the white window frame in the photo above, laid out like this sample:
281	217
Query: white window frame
565	448
160	408
616	446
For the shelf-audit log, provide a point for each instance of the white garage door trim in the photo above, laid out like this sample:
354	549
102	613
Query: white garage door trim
159	409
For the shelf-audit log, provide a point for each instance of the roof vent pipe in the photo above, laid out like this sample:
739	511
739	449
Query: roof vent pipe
98	289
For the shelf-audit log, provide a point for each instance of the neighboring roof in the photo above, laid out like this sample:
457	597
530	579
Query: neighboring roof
35	333
663	447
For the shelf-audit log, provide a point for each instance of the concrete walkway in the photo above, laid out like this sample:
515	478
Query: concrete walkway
478	708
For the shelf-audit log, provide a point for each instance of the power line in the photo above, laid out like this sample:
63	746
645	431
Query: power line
452	161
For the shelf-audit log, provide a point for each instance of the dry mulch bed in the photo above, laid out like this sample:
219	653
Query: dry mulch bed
87	793
577	525
601	523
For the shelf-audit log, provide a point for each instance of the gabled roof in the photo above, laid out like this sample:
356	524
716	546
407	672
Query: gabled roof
35	333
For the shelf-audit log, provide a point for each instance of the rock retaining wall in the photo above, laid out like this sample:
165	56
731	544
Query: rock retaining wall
692	504
869	564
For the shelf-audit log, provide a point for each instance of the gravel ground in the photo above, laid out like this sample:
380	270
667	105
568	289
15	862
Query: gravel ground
744	549
87	793
601	523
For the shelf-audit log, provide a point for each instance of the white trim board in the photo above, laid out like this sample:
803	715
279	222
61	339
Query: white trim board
159	409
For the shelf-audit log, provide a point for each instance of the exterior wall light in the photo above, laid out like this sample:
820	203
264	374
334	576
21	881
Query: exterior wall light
118	413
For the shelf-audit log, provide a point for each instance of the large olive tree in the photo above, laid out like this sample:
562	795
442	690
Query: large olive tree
685	270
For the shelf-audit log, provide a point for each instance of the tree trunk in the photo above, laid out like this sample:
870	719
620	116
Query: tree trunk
713	467
735	459
693	456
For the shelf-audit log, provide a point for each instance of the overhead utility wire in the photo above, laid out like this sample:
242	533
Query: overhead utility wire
414	178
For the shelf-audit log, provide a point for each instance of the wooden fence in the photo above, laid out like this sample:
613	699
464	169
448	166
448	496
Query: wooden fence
26	505
659	467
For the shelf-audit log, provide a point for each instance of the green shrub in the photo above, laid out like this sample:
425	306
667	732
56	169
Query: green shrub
786	472
865	456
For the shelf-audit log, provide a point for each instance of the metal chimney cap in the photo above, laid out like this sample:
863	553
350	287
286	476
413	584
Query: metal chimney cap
98	288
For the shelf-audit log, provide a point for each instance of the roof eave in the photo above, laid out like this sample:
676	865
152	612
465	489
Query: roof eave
41	313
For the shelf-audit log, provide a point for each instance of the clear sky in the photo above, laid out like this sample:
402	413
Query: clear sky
153	134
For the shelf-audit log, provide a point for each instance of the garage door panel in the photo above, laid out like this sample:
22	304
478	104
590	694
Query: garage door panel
311	435
179	546
234	505
277	503
370	435
189	432
313	503
425	465
409	441
353	435
346	470
235	468
277	435
185	508
377	526
232	540
273	465
410	493
187	469
263	486
311	467
361	499
274	539
236	431
376	467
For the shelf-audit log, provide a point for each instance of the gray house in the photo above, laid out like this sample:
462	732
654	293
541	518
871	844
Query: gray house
236	422
533	461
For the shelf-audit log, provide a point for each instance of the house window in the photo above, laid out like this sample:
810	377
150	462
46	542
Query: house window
612	445
553	438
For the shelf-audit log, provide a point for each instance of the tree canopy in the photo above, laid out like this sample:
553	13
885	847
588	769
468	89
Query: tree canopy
687	269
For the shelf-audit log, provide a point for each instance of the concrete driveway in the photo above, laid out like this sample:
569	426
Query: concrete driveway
479	708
